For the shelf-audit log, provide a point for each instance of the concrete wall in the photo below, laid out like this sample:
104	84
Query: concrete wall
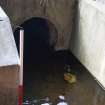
101	1
9	63
88	42
9	85
8	51
59	12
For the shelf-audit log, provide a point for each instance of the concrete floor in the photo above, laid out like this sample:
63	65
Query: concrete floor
46	80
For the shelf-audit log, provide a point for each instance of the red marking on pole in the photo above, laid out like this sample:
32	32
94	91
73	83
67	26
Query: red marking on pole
20	95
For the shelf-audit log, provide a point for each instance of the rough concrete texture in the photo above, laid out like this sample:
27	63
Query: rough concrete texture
9	85
88	42
59	12
8	51
101	1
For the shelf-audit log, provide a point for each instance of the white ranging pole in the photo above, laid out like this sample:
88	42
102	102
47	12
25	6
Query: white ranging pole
21	67
21	56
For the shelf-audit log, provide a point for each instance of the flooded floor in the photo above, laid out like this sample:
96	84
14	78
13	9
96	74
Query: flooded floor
44	68
45	79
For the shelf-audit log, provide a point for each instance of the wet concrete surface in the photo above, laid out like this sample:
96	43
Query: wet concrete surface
45	79
8	96
9	85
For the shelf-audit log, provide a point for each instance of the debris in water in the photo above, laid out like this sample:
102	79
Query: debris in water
61	97
62	100
67	68
71	78
46	104
27	102
46	101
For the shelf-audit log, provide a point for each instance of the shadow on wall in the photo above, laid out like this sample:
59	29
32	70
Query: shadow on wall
40	39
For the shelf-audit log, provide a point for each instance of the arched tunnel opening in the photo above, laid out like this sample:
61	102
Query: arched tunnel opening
44	67
40	36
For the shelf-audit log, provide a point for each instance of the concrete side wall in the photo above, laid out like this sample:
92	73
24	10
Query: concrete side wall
8	51
59	12
8	56
9	85
88	42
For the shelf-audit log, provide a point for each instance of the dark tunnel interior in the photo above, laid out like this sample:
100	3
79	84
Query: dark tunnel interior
40	37
37	46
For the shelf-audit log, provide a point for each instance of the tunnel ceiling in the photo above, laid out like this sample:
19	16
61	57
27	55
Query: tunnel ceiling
59	12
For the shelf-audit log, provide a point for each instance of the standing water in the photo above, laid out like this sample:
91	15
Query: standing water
47	80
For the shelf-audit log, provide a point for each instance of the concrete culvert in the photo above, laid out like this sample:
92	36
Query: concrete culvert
59	24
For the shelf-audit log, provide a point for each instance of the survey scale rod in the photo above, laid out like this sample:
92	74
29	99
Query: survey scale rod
20	100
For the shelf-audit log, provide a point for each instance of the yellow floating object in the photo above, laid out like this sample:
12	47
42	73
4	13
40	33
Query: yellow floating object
70	77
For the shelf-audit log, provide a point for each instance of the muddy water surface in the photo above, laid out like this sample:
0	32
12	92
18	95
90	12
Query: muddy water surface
45	79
